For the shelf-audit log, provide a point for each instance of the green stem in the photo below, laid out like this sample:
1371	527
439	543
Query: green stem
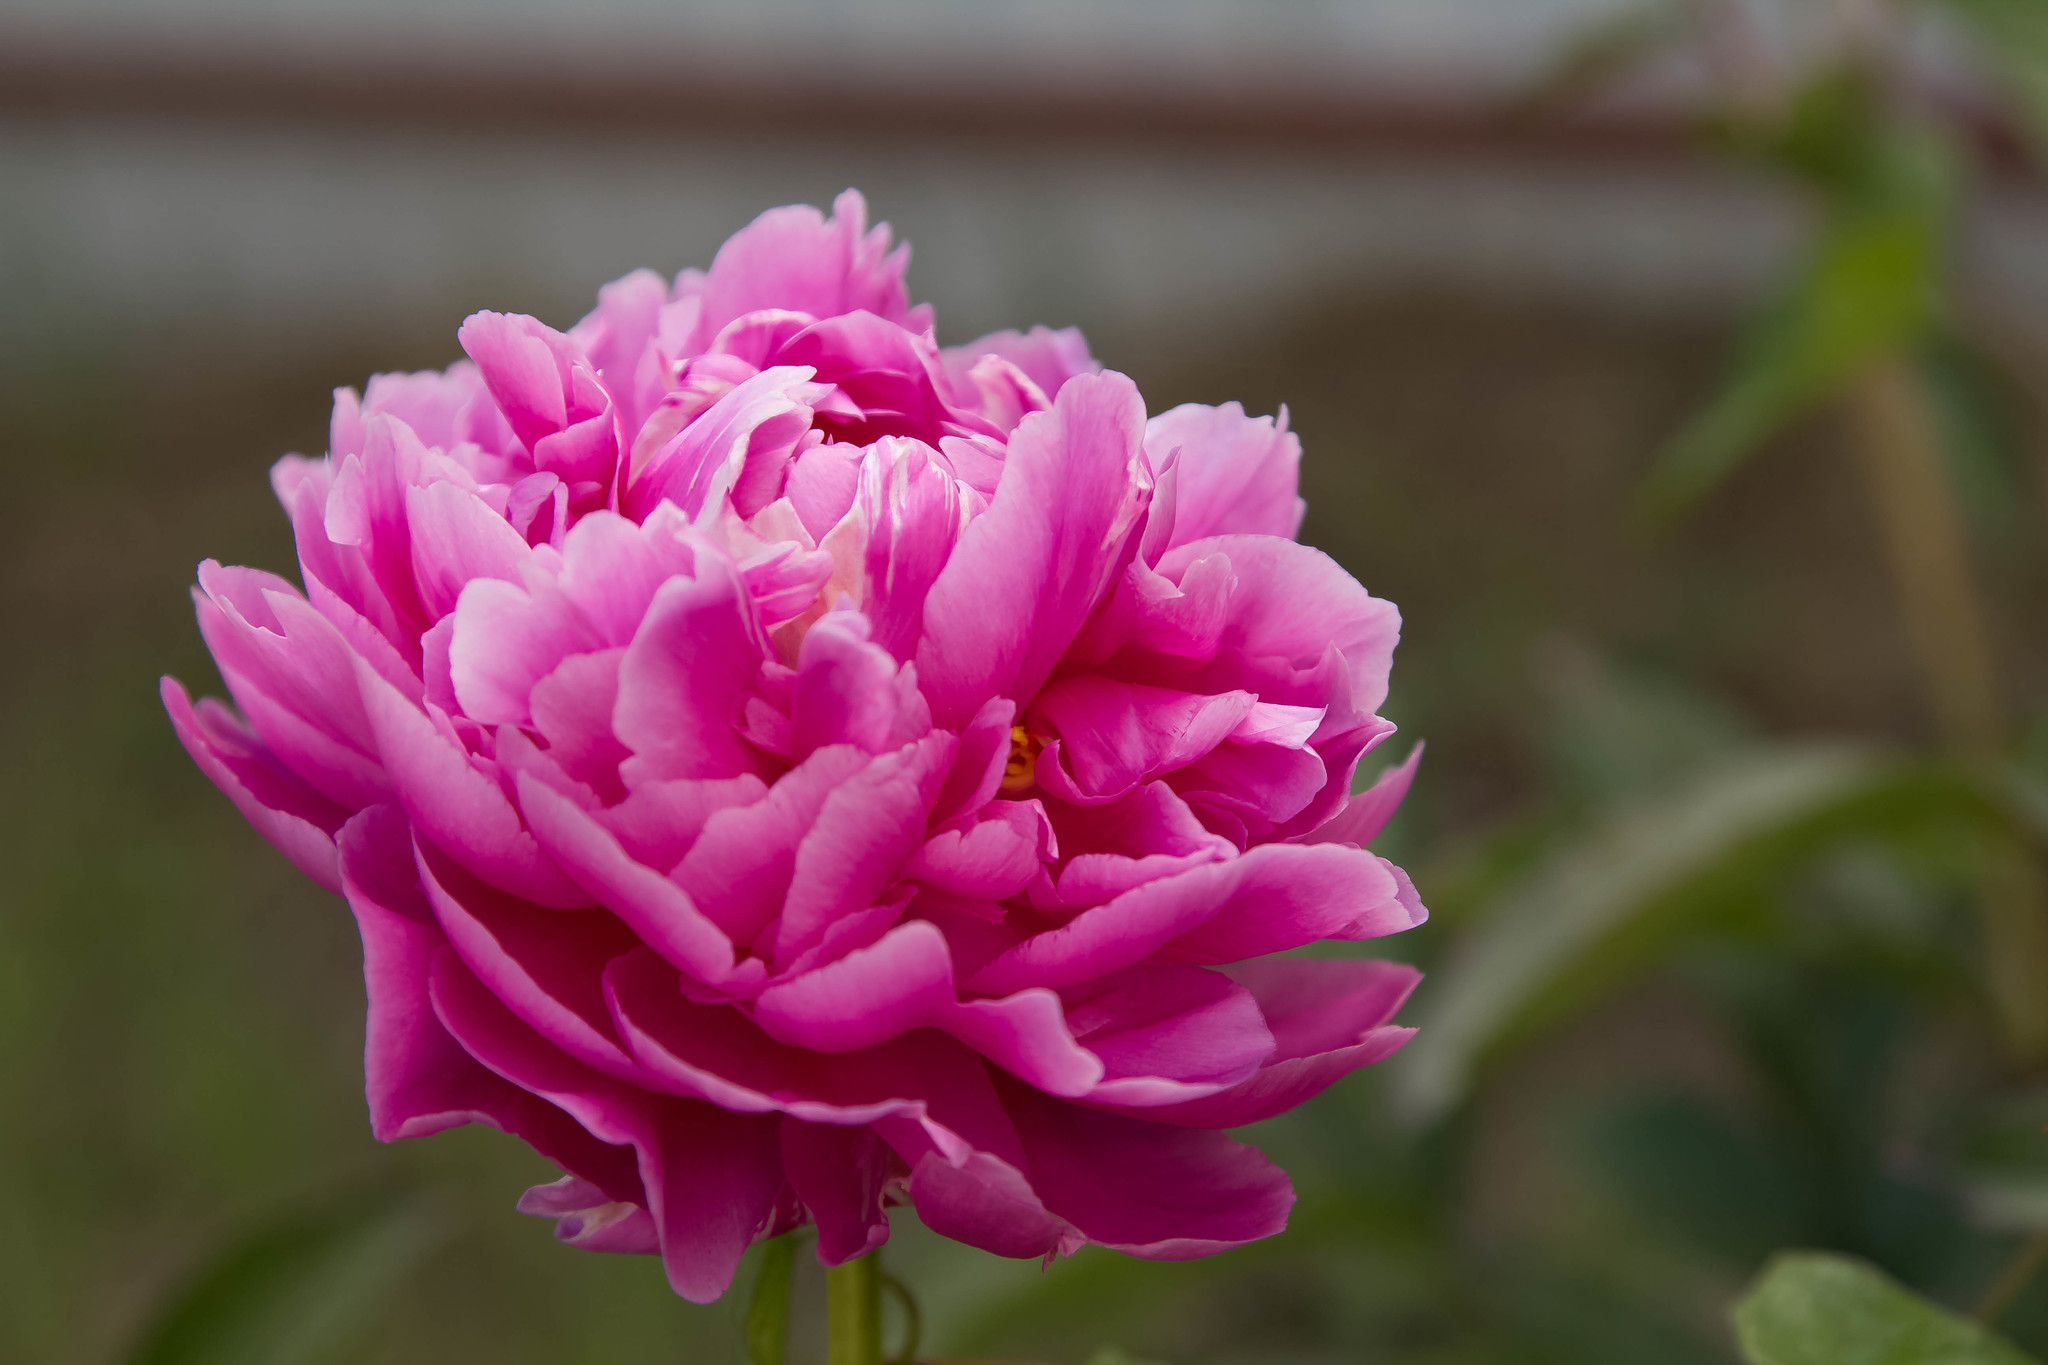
853	1312
1900	445
2018	1271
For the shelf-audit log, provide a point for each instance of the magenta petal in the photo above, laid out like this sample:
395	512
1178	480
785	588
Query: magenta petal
460	809
913	514
845	689
588	1221
1289	607
854	851
738	872
986	1202
456	538
839	1173
1167	1033
1329	1018
546	966
1029	570
418	1079
1313	1005
685	677
1115	735
1274	897
1367	813
1144	1188
296	819
711	1177
658	911
525	364
1236	474
993	859
658	822
743	442
794	258
904	982
1048	357
925	1080
290	672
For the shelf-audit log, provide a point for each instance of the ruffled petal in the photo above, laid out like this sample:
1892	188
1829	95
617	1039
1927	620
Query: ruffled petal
711	1177
452	803
904	982
1237	475
298	821
1029	570
1272	898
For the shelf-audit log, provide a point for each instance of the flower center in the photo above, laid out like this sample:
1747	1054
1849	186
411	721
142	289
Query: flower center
1022	769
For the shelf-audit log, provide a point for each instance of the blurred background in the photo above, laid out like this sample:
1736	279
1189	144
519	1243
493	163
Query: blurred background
1678	368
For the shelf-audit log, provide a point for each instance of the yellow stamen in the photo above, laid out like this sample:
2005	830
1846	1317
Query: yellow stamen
1022	769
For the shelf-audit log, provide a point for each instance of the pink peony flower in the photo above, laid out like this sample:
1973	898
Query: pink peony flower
780	767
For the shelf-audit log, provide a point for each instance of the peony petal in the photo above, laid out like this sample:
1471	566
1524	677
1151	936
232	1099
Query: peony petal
1367	813
749	436
845	689
1143	1188
291	673
1115	735
456	538
1237	475
854	851
588	1221
417	1077
454	805
738	872
711	1178
546	966
913	512
1274	897
840	1174
525	364
1029	570
1289	606
658	911
1329	1018
1167	1033
298	821
794	258
904	982
1048	357
685	676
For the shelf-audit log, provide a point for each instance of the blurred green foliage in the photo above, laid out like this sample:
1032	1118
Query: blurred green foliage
1827	1310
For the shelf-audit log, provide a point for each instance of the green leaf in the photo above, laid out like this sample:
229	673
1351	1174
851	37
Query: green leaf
1870	287
1872	284
1580	920
767	1324
305	1290
1808	1308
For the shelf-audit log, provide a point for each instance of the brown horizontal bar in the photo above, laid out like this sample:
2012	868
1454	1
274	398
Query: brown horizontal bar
647	96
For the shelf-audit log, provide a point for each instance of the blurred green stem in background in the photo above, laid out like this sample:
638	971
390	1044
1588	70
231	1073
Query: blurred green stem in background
2015	1277
853	1311
1922	526
1899	444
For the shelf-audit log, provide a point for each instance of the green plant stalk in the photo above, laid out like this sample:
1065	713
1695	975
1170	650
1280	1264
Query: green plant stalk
853	1312
2015	1277
1898	442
